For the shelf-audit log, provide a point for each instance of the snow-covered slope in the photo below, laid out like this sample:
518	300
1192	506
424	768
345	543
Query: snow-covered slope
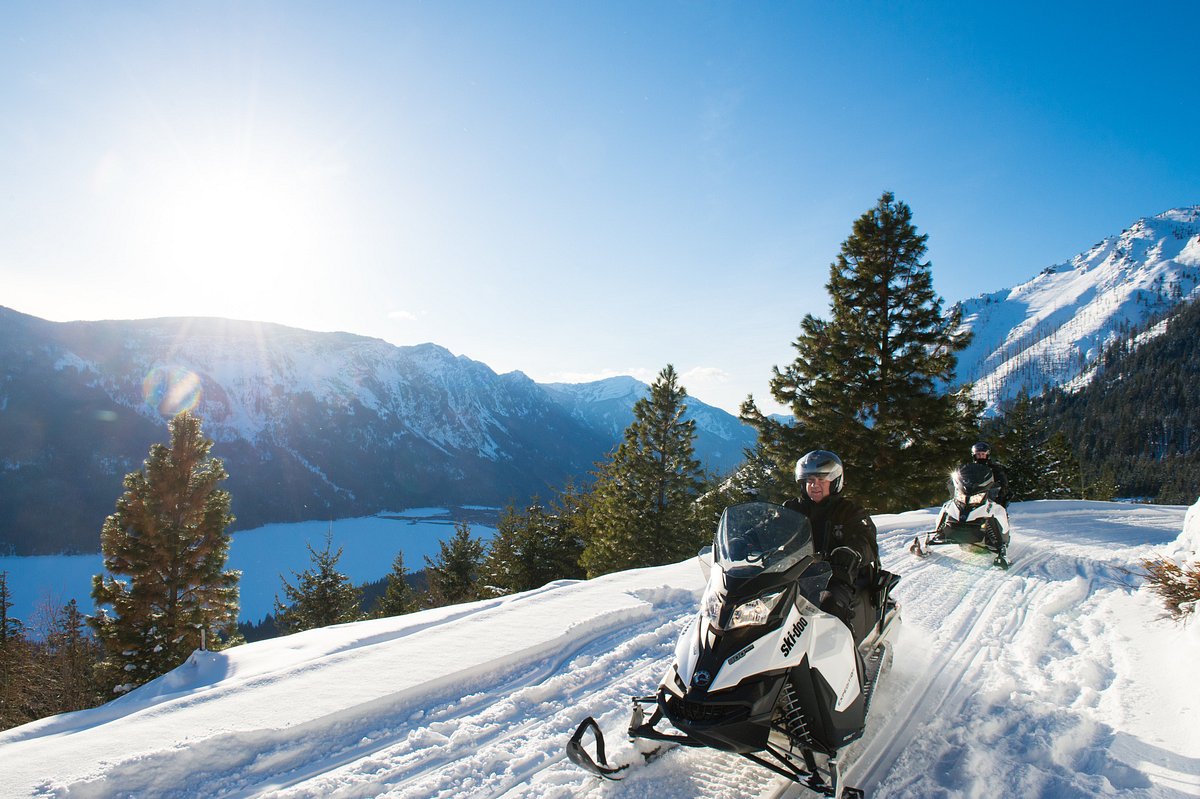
1050	330
1058	678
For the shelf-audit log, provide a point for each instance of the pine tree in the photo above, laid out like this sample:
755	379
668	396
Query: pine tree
455	573
398	598
643	511
71	655
321	596
530	549
16	663
166	588
868	383
1103	486
1022	451
1062	478
11	628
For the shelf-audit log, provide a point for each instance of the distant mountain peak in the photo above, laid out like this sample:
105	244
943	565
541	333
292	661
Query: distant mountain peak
1051	329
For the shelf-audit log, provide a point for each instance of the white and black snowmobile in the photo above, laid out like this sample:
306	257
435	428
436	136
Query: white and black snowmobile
972	516
761	671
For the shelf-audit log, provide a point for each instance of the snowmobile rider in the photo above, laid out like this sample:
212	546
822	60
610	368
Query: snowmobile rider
981	453
843	533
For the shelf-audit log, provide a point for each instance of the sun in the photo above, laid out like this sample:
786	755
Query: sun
232	235
230	222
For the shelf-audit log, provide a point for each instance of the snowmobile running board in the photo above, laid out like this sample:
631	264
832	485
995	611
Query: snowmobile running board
639	727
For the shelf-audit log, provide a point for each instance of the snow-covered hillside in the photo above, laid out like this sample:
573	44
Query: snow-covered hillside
1050	330
1058	678
309	425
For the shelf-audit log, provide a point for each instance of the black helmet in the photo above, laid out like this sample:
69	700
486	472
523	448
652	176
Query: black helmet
821	463
980	448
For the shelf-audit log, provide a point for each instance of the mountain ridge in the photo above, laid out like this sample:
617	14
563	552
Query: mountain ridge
1051	329
310	425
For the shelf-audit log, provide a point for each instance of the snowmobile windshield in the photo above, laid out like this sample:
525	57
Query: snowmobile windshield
972	482
759	537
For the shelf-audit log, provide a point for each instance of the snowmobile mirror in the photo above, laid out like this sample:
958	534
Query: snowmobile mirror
705	556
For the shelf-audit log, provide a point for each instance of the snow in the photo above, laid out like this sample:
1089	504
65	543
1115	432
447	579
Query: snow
1051	329
1058	678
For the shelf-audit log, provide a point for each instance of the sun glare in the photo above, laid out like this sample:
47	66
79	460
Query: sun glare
230	223
230	238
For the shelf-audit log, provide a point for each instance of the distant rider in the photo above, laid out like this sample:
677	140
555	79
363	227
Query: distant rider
843	532
981	453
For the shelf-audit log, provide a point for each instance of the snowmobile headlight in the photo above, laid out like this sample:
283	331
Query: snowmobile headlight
756	611
710	606
977	499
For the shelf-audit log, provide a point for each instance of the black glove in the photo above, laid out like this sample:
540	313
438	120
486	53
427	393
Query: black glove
838	600
845	562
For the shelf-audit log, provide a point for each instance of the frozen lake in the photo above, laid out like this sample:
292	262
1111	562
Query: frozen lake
263	554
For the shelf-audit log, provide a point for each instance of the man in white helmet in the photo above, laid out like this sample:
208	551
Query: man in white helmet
843	532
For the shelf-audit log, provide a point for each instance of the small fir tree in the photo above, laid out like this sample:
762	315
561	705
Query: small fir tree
398	597
530	549
321	596
454	574
643	509
1062	479
166	587
71	657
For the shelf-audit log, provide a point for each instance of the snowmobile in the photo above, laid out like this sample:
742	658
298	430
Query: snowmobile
762	671
972	516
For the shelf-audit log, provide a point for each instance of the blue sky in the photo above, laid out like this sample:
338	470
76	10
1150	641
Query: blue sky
569	189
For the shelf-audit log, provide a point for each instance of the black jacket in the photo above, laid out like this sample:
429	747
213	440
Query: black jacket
1000	475
840	522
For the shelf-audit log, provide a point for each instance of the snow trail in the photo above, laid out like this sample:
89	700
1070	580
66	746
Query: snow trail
1055	679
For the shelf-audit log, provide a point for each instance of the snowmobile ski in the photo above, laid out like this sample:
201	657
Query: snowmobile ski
599	765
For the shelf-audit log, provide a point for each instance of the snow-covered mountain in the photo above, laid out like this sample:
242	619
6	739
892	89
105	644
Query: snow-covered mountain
310	425
1051	330
1057	679
607	405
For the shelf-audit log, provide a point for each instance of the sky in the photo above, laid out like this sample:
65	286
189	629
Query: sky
1060	678
571	190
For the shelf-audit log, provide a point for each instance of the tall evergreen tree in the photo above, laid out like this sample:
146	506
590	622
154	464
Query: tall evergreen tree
454	574
165	549
1022	449
868	383
16	664
643	511
11	628
321	596
1062	479
398	597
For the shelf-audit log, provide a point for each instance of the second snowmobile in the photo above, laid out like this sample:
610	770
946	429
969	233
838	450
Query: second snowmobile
761	670
972	516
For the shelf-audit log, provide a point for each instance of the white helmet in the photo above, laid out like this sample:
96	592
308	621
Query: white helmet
824	464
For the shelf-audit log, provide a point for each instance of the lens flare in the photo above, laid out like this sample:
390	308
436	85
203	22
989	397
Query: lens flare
171	390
